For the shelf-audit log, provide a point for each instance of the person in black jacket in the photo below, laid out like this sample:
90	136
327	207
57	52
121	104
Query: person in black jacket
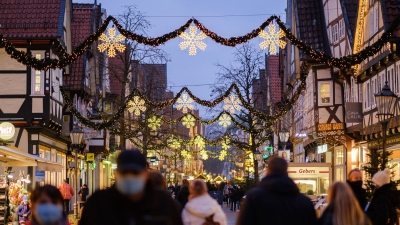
354	180
382	207
276	200
183	194
84	192
343	207
131	200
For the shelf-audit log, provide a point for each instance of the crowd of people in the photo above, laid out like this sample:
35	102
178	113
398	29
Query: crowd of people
142	197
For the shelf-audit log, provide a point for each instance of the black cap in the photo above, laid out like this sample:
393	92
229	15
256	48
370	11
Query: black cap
131	160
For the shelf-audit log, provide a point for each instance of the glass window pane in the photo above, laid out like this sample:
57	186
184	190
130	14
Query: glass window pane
325	92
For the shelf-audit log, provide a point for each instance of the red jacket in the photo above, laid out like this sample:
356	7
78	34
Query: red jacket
66	191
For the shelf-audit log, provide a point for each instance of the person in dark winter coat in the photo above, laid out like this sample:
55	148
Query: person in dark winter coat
343	207
276	200
183	194
84	192
382	207
354	180
24	210
130	200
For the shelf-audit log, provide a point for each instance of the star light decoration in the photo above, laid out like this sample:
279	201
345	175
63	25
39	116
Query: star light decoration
136	106
174	143
188	121
185	103
111	42
272	39
203	154
199	142
185	154
232	104
192	40
222	155
225	120
154	122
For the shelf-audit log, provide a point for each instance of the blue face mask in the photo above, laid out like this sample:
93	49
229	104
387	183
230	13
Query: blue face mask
48	213
129	185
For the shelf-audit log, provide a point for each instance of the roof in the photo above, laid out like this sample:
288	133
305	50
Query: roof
390	10
81	27
310	24
350	12
32	18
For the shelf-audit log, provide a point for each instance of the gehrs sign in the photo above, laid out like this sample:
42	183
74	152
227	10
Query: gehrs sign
306	171
7	131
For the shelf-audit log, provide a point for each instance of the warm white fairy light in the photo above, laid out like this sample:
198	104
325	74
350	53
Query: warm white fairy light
272	39
188	121
136	106
192	40
111	42
225	120
154	122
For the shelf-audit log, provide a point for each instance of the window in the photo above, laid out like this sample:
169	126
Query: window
397	72
346	92
367	95
37	78
335	37
371	23
341	28
376	19
325	93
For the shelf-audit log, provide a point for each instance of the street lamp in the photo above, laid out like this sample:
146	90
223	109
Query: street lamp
76	136
385	101
258	155
284	136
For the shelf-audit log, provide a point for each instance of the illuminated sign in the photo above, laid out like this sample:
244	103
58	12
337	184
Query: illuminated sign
7	131
322	149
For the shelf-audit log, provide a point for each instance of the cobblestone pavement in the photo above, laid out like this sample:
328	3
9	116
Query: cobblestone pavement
231	216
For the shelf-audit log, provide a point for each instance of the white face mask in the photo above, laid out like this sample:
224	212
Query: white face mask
129	185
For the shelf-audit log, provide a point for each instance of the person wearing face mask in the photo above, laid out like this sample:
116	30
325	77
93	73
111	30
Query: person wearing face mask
131	200
24	210
47	207
354	180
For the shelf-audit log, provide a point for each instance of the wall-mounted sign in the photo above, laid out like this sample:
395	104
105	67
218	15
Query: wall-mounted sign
354	112
40	176
90	157
322	149
7	131
330	129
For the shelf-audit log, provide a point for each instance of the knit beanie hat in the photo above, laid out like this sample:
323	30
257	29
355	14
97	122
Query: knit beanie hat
25	198
382	177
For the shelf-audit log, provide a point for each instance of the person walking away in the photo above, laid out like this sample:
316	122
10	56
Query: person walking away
157	181
382	207
234	196
24	210
240	194
47	206
276	200
131	200
226	192
183	194
84	192
343	207
202	209
67	192
354	180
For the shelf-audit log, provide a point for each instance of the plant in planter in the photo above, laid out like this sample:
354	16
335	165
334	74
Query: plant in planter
310	192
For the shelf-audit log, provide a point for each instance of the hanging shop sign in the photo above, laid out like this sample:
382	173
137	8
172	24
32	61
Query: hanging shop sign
40	176
90	157
7	131
354	112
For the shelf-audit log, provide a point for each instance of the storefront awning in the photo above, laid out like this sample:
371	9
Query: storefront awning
11	156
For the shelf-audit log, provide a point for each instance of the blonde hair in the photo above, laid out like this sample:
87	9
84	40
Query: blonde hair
346	209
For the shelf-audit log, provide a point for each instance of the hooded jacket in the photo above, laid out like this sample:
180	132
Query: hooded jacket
382	208
197	209
278	201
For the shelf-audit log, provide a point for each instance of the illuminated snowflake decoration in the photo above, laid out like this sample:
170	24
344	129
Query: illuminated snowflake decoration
111	42
222	155
192	40
199	142
185	103
174	143
185	154
136	106
225	120
188	121
225	144
232	104
154	122
272	39
203	154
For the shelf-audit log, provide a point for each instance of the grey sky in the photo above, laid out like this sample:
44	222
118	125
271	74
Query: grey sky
199	69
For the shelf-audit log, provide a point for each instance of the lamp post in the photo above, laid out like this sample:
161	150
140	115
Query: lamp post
76	135
385	100
284	136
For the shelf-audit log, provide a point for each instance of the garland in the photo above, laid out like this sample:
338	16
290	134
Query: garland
319	56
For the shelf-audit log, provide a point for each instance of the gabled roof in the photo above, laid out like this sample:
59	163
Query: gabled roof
310	25
390	10
81	27
350	12
32	18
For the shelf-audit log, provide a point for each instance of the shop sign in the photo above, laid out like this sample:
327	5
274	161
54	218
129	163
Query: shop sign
7	131
354	112
308	171
322	149
389	141
40	176
90	157
334	130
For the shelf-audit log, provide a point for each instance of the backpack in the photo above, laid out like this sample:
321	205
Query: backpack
210	221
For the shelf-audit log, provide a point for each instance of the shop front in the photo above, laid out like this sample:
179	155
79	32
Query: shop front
311	178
